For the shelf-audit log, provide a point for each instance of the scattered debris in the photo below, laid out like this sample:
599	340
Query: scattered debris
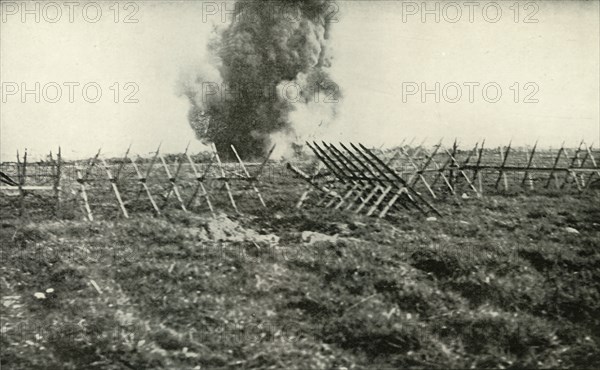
96	286
225	229
312	237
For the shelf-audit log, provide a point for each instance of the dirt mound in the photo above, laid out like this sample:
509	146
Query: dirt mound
223	228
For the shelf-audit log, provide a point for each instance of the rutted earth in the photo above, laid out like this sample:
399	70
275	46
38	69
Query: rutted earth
503	282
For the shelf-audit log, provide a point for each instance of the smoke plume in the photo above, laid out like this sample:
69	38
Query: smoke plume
270	61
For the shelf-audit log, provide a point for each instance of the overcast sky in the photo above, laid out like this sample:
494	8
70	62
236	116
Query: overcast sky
381	50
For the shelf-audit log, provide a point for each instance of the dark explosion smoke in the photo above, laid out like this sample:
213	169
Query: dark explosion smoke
272	57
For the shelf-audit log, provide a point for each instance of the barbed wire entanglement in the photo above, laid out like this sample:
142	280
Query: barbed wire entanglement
355	178
119	186
348	177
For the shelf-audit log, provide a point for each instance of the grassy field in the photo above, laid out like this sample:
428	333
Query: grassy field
497	282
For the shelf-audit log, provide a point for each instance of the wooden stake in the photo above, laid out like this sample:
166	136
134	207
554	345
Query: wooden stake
248	176
225	179
529	163
22	172
57	180
200	184
309	188
591	156
115	188
459	169
555	165
381	198
333	167
476	170
142	180
391	202
262	165
418	175
571	165
173	186
81	181
360	185
569	172
502	174
374	188
122	164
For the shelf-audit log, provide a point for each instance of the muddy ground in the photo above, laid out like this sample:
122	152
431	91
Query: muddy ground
507	281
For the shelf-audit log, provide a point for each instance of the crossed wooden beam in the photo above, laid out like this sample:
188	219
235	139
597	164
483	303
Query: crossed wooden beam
173	181
364	181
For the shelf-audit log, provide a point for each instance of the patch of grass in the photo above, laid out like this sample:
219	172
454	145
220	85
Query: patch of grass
497	282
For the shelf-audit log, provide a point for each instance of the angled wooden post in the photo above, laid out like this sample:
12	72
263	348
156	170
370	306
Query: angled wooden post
122	164
410	190
361	183
569	171
309	187
82	179
370	179
152	162
581	164
142	180
391	202
308	180
440	174
22	172
417	151
459	169
56	173
83	192
476	169
390	162
224	178
451	172
335	168
248	176
465	163
91	165
173	184
502	174
366	181
113	184
380	187
419	170
527	174
560	151
353	171
376	162
200	184
357	187
264	163
593	160
571	165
